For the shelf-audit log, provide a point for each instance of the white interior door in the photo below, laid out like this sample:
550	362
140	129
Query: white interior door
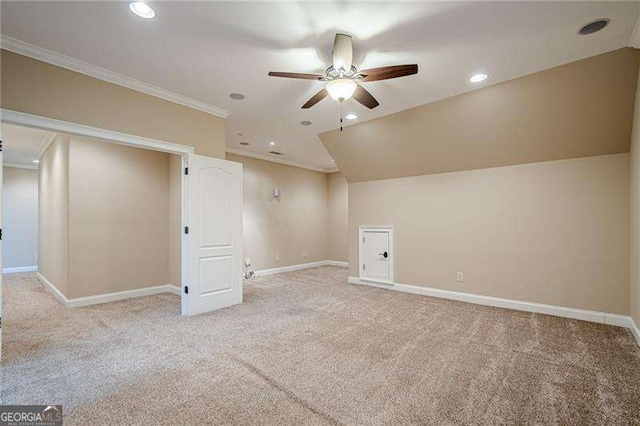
213	265
376	254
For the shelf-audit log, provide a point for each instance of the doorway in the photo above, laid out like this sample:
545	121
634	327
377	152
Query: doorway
210	215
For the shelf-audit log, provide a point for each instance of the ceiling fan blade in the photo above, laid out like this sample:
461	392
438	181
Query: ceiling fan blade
342	52
316	98
363	96
296	75
385	73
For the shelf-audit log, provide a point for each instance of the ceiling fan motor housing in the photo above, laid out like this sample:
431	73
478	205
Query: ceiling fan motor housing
332	73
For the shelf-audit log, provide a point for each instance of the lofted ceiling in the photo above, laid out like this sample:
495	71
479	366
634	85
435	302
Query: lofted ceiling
207	50
575	110
21	145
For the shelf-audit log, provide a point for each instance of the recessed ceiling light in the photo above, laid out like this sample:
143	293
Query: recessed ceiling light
305	123
36	161
244	143
478	78
351	117
594	26
236	96
272	143
142	9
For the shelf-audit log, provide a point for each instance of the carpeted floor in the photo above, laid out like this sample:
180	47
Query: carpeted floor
306	347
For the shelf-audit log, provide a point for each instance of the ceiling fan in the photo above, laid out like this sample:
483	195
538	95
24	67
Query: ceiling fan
342	77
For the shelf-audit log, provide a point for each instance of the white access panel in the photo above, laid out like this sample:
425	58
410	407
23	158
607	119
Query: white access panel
376	254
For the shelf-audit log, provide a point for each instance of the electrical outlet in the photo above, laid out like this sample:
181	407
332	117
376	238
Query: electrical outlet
460	277
304	254
277	257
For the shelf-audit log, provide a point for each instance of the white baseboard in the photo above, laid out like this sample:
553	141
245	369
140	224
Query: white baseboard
559	311
174	289
291	268
635	330
108	297
19	269
53	289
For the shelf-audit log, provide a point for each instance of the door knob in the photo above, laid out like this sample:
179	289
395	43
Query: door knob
385	254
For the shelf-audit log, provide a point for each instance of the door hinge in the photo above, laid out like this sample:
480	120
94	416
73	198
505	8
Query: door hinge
186	170
0	234
363	239
186	289
186	229
0	146
364	267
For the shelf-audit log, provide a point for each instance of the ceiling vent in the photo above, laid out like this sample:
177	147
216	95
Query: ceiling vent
594	26
276	153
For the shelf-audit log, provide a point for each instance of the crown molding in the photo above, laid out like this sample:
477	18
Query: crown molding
280	160
44	145
41	54
634	41
20	166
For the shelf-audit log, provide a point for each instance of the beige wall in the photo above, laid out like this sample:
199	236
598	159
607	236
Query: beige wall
107	217
552	232
581	109
53	214
19	217
635	214
35	87
118	218
338	217
175	220
296	222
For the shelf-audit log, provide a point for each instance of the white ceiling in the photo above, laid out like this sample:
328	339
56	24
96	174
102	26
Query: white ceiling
207	50
21	145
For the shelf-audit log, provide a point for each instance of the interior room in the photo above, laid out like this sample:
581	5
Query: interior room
96	221
320	212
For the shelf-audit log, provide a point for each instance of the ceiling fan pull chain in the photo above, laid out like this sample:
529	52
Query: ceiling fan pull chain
340	116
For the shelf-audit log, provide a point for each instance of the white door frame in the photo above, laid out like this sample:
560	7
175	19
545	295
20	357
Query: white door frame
110	136
389	230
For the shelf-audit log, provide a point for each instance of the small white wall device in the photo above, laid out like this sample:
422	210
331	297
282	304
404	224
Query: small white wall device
276	192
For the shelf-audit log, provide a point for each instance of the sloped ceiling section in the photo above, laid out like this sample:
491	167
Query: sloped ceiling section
581	109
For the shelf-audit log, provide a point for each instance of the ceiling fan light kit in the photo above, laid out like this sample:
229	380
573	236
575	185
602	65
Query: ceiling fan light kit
341	89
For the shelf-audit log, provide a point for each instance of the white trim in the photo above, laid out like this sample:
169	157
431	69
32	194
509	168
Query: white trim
21	166
48	139
635	331
76	65
279	160
53	289
29	120
291	268
559	311
108	297
19	269
337	263
361	272
634	41
173	289
120	295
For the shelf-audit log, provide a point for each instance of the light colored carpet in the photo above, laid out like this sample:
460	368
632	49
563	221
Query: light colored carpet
306	347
